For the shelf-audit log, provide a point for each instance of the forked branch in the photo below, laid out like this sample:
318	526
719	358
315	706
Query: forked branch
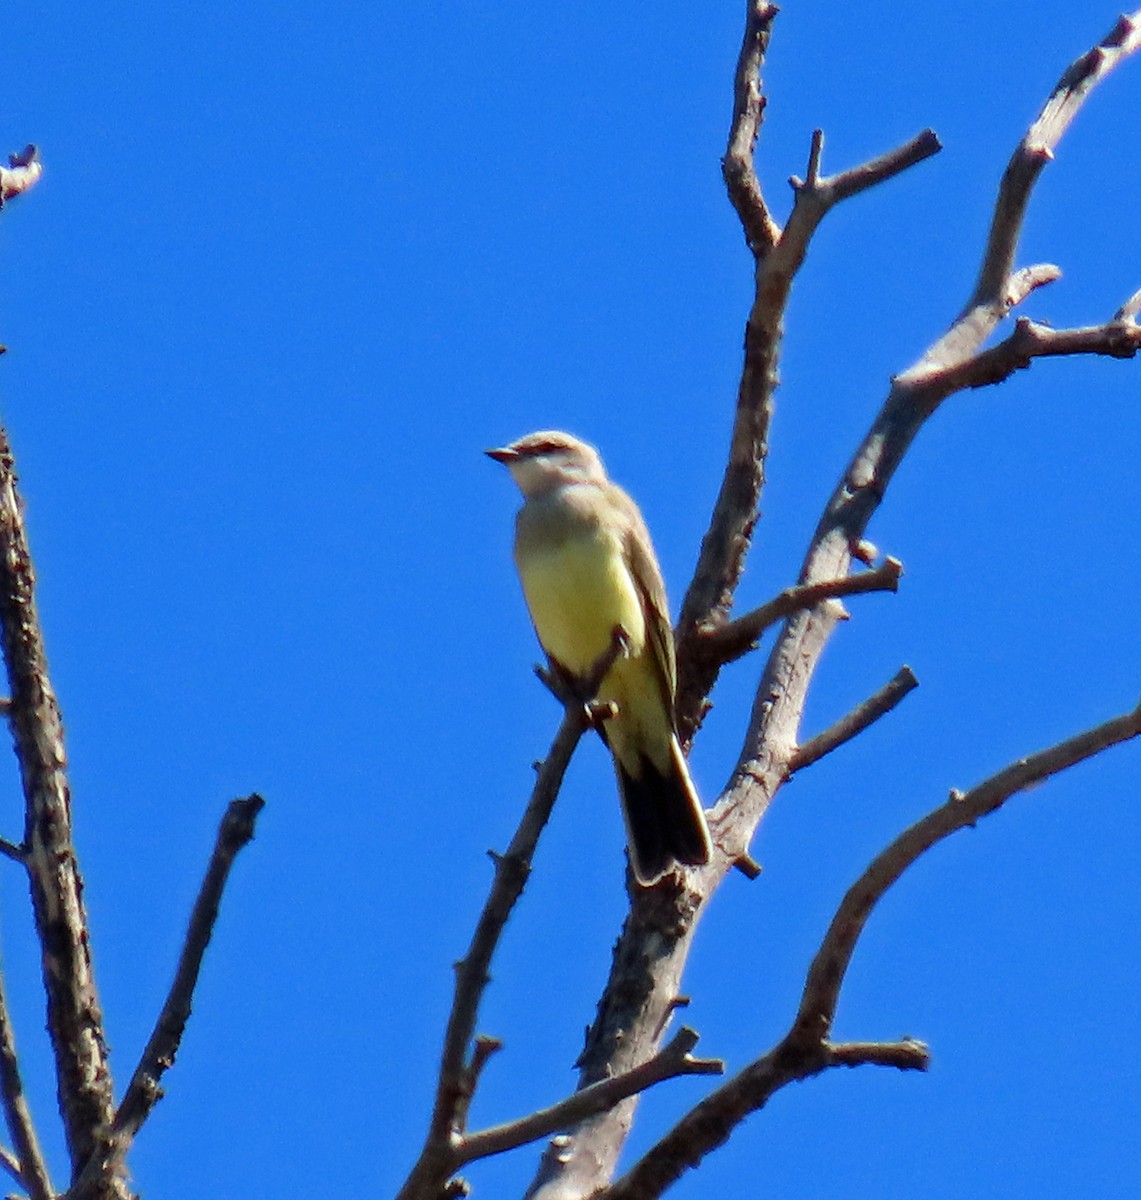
459	1073
660	927
737	638
990	301
709	599
806	1049
672	1061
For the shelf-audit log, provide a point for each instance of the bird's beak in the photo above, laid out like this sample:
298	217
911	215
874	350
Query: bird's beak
504	455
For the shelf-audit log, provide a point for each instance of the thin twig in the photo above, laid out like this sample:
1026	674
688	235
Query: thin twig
1129	310
670	1062
736	639
830	190
11	1164
11	850
856	721
483	1050
27	1164
144	1091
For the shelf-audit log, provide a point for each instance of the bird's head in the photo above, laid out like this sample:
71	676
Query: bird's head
541	462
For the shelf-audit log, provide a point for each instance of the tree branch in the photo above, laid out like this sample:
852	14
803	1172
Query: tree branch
962	809
905	1055
671	1061
738	167
457	1075
828	191
915	395
74	1017
989	302
1129	310
855	722
652	949
144	1091
710	1123
1118	338
737	638
708	601
805	1050
27	1165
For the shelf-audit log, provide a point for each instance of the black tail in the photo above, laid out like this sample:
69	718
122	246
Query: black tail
665	823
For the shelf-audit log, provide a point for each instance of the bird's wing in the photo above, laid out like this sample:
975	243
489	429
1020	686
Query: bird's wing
639	554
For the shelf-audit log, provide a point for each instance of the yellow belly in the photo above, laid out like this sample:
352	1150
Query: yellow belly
578	593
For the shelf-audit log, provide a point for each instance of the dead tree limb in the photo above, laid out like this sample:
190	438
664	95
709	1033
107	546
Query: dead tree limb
459	1072
651	952
144	1091
806	1050
26	1165
74	1017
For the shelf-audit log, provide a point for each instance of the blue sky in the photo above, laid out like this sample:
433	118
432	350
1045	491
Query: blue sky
290	269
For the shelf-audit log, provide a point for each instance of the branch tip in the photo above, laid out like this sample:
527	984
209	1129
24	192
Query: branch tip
749	867
855	722
1127	313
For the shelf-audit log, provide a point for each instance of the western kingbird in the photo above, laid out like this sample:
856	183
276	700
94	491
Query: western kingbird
588	570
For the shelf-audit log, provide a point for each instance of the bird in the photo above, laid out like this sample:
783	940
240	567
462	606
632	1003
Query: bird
590	576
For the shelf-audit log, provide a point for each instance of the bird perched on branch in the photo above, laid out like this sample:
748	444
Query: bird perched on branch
590	576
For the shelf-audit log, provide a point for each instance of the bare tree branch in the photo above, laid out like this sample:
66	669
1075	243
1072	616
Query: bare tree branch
671	1061
805	1050
827	191
27	1165
737	638
708	601
144	1091
962	809
989	302
457	1074
905	1055
75	1021
1118	338
738	166
710	1123
11	850
855	722
11	1164
651	952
